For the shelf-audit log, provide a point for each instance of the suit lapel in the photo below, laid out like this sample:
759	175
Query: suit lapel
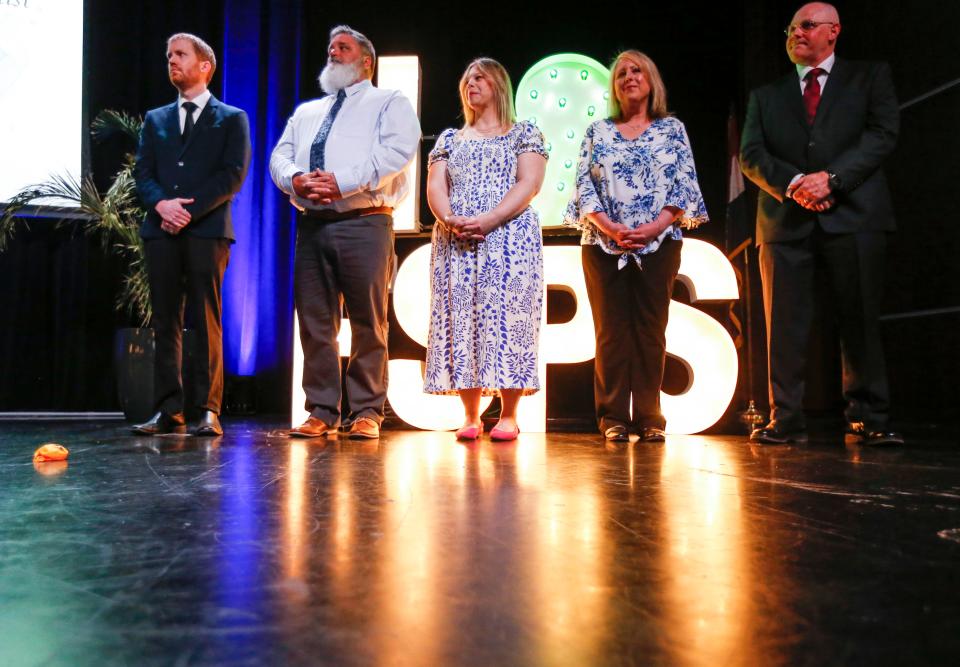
172	121
835	84
790	90
203	121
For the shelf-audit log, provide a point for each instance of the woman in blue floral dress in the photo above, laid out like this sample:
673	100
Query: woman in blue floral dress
487	260
636	186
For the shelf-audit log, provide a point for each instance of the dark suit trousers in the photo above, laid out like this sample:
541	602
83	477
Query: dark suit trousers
349	262
630	310
186	273
853	265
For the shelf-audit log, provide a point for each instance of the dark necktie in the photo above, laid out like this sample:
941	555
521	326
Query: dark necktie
189	107
811	93
320	141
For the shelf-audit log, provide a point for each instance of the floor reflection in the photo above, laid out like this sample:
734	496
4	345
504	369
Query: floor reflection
707	582
418	550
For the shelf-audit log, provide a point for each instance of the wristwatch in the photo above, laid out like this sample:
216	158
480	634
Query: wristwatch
834	181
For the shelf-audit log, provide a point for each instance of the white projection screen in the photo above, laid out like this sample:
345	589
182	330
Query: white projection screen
41	92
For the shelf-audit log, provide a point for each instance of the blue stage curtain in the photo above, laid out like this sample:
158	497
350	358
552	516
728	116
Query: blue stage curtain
261	74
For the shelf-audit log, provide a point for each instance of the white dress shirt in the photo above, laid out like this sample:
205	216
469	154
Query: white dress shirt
826	66
373	138
200	100
802	70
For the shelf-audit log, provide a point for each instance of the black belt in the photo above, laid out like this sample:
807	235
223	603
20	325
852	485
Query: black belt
329	215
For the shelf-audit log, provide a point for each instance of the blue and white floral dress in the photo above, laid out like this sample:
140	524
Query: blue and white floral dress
487	296
632	180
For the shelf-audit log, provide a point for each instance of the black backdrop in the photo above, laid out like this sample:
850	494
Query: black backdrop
56	336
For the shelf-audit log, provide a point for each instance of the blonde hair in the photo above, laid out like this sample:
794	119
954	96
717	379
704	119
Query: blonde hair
657	101
502	91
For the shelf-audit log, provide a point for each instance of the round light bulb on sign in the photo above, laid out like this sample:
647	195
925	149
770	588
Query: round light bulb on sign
561	95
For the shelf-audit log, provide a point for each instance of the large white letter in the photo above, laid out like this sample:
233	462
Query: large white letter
411	303
700	342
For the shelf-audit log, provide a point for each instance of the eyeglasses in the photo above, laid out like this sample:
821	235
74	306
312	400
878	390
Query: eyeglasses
805	26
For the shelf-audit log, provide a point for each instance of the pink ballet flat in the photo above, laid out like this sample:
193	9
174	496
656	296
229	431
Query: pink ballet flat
501	435
469	432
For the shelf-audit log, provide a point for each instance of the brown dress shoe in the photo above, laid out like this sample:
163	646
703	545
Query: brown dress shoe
364	427
314	427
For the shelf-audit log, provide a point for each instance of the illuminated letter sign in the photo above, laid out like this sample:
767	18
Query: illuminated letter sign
562	95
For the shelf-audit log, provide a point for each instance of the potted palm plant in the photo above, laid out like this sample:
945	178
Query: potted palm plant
113	217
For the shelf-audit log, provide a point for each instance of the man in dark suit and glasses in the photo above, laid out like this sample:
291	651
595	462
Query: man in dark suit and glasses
192	159
814	143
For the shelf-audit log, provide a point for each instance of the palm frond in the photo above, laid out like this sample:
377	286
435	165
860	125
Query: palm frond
109	123
113	216
8	221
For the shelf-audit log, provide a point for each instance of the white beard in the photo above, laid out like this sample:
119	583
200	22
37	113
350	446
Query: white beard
337	76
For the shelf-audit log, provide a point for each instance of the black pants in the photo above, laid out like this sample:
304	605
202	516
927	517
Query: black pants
186	273
630	310
854	270
349	262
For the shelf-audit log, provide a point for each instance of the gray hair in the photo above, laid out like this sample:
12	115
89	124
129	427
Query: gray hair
366	46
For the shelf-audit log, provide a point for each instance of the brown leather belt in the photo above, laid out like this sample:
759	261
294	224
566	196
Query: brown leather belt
329	215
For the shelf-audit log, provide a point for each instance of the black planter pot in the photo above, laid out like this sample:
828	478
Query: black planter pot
134	352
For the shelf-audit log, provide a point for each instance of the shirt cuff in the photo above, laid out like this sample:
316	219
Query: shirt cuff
286	179
347	182
793	182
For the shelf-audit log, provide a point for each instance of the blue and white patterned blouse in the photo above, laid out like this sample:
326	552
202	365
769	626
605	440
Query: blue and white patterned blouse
633	180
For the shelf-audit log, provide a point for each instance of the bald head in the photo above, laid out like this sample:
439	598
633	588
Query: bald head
823	11
812	35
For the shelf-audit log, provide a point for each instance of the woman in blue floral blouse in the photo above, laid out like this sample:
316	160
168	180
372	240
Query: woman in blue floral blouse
487	261
636	186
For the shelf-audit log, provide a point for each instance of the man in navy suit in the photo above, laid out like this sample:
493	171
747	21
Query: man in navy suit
814	143
192	159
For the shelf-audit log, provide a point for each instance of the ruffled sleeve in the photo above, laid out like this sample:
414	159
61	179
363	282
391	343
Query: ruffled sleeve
585	199
530	139
443	147
684	191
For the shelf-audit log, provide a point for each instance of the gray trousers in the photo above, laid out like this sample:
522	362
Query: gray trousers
345	263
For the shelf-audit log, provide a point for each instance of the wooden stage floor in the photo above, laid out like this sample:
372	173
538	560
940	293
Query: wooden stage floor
253	549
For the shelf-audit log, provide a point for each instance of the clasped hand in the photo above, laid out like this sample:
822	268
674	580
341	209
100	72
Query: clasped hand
469	229
173	216
812	192
629	238
317	186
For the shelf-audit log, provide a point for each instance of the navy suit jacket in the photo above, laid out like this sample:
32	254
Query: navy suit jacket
209	168
855	128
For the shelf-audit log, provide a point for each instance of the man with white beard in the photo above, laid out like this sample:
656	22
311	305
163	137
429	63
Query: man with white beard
342	159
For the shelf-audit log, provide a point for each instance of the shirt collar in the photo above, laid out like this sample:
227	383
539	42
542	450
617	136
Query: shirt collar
357	87
200	100
826	66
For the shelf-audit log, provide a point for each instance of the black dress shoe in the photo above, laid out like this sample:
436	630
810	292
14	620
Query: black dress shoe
858	433
652	434
209	424
161	424
776	433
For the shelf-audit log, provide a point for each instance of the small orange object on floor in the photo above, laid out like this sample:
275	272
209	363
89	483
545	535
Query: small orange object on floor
50	451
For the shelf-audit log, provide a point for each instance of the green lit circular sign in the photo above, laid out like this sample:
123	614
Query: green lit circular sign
562	94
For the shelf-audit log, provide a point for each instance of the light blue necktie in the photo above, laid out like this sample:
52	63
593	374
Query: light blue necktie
320	141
